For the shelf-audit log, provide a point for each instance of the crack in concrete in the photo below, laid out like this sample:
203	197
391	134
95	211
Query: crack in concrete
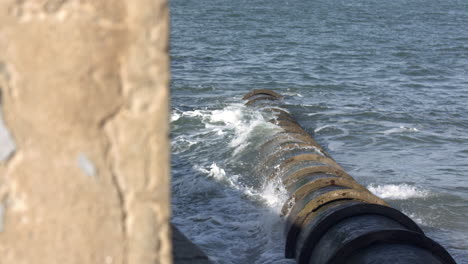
114	174
123	207
118	187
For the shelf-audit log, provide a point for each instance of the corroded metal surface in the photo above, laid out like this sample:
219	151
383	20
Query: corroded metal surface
262	92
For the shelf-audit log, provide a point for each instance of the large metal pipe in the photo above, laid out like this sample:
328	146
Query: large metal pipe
329	217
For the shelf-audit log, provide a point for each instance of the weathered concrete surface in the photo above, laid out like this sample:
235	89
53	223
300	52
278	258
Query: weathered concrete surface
184	251
84	88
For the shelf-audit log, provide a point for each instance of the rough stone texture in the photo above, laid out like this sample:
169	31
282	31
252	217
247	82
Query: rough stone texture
84	89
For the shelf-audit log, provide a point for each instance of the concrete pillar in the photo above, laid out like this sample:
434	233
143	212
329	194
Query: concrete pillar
84	150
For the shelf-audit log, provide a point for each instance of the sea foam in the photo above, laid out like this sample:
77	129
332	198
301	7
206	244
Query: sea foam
398	191
401	129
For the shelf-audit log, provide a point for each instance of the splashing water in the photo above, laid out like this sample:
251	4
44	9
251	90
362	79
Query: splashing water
398	191
223	153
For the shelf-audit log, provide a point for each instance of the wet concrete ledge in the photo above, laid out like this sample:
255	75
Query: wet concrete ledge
184	251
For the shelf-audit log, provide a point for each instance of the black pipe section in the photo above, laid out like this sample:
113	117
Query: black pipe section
329	217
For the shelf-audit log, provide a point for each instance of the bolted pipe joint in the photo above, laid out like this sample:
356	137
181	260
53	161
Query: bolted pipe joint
329	217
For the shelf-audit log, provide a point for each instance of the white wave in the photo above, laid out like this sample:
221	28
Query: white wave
397	191
182	143
401	129
318	129
242	121
195	186
232	180
214	171
183	140
217	172
230	115
175	116
245	132
274	195
194	113
235	124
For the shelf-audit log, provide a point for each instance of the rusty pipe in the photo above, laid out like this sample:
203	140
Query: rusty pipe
329	217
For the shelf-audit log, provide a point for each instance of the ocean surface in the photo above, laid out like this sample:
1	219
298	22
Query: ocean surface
382	86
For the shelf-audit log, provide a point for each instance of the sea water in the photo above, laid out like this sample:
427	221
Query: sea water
382	86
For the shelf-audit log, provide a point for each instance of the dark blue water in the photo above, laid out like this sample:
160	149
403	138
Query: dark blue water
382	84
